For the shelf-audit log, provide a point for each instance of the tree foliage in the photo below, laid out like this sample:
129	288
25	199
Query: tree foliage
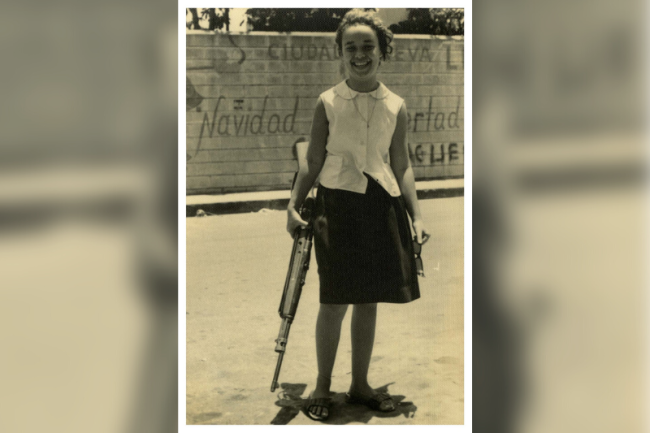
437	21
295	20
441	21
218	18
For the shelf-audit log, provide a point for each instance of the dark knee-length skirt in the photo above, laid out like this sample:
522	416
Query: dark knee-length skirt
364	247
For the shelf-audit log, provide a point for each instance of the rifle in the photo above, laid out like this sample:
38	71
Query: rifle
298	266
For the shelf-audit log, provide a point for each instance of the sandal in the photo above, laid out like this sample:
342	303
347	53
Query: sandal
374	402
320	404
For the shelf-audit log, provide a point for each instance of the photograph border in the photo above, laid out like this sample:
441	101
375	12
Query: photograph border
467	176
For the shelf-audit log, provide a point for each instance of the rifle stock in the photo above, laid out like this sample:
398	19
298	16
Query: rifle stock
298	266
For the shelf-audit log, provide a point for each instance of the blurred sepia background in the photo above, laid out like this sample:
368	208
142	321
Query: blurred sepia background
88	219
560	216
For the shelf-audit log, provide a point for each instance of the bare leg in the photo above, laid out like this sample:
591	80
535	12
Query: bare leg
328	333
364	320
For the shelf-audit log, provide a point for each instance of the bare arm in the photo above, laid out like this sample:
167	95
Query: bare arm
401	165
307	174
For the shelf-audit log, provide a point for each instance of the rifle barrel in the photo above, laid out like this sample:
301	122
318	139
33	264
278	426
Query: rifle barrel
298	266
274	384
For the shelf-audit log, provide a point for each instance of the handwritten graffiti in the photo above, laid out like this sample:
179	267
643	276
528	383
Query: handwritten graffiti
330	52
424	55
417	55
225	64
240	125
436	153
424	121
242	52
232	61
192	98
450	66
308	52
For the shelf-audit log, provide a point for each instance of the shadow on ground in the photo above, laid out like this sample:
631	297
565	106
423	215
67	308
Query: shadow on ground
291	402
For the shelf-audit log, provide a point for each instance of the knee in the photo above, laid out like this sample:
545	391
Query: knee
333	311
365	311
365	308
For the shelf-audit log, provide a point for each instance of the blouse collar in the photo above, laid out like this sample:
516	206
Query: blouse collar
345	92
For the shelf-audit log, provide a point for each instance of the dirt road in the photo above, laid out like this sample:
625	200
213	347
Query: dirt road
236	267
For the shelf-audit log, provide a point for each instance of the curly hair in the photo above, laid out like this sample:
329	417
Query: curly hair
370	19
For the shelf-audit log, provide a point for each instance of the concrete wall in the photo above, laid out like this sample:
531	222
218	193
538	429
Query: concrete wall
250	97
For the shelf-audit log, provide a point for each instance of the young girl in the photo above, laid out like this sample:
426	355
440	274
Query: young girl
362	238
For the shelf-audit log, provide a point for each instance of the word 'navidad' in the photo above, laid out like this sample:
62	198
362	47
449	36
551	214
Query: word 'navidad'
244	123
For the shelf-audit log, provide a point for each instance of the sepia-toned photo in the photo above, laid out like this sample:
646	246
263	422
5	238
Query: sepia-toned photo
325	216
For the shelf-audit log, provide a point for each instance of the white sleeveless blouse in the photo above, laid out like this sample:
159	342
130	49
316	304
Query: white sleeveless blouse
361	127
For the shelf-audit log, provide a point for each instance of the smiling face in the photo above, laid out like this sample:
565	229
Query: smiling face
361	54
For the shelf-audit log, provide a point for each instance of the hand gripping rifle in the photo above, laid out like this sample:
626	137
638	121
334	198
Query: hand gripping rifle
298	267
